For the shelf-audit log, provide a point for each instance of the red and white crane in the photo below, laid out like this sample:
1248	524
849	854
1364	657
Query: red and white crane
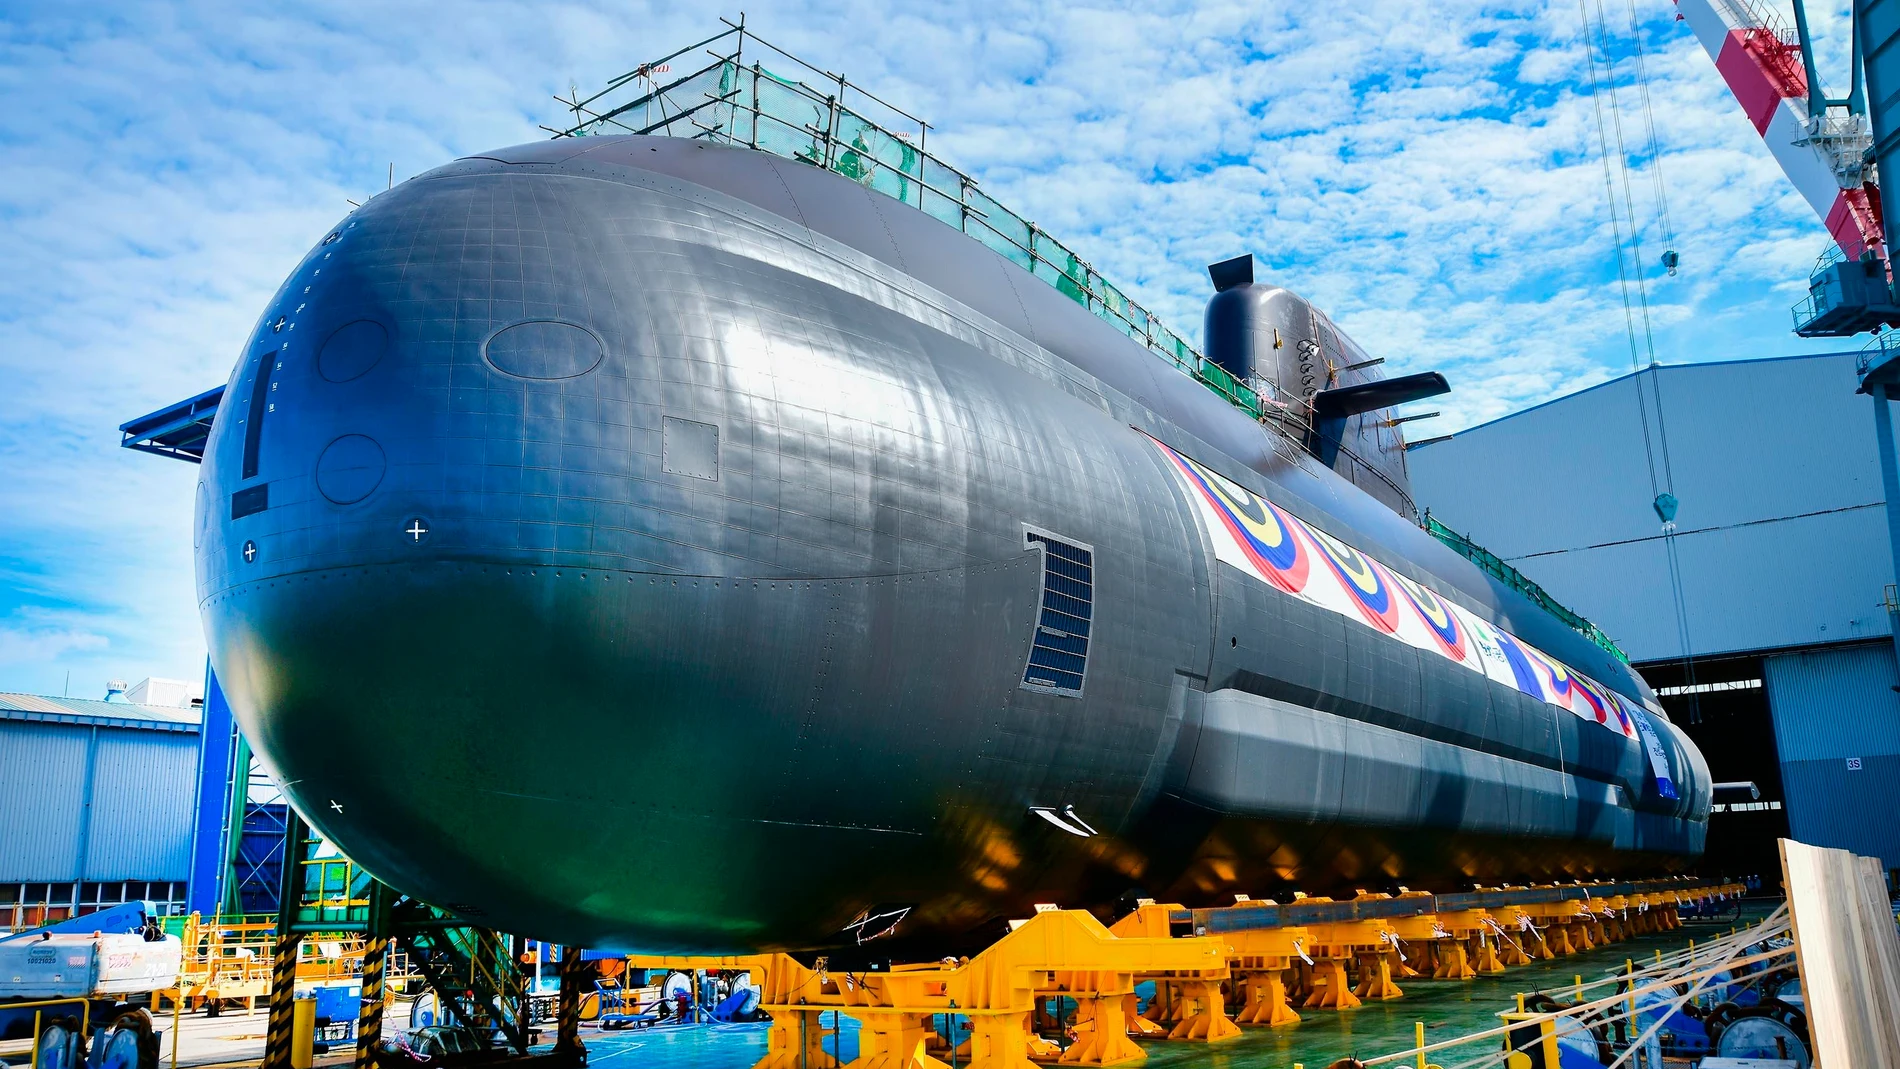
1824	154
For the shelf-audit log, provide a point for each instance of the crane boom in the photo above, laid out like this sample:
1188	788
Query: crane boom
1823	152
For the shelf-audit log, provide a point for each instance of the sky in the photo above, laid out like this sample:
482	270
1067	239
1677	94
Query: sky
1428	173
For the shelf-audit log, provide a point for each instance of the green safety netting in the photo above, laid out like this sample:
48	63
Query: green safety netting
751	106
733	103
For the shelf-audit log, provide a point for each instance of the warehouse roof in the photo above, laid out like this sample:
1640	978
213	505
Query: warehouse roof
82	711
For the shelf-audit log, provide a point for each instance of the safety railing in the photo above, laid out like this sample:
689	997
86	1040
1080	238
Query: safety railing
1496	567
232	954
1879	349
333	890
727	101
77	1040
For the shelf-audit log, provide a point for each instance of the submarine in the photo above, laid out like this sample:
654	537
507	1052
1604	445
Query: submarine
655	544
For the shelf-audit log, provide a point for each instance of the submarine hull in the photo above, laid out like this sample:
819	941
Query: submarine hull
615	543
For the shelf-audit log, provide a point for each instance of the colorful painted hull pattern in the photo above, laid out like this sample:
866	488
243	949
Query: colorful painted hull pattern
1283	551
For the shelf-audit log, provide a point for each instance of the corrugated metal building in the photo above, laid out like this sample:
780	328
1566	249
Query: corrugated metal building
95	805
1779	587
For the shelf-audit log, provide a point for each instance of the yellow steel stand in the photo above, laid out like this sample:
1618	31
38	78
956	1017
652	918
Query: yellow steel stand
796	1040
1515	949
1589	931
1375	975
1331	989
1577	934
1416	934
1441	937
1101	1034
1070	954
1337	944
1206	1014
1583	930
1196	1006
1263	1000
894	1041
1258	961
1667	919
1165	1008
1615	919
1559	919
1056	952
1485	953
1453	961
1139	1025
1300	982
1646	919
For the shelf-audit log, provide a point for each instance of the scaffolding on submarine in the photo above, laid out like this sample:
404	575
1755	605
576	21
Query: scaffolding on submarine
731	102
724	100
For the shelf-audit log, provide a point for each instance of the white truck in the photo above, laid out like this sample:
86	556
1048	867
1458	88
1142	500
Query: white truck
86	981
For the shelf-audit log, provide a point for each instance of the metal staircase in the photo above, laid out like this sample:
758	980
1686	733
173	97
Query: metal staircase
471	970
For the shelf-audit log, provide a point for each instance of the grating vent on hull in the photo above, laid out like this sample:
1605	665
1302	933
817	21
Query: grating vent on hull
1058	658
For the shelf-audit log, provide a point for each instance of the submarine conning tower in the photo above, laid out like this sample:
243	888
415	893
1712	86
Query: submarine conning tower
1321	387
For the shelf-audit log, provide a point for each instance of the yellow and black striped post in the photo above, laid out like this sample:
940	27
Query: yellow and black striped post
283	993
369	1021
567	1042
369	1016
283	973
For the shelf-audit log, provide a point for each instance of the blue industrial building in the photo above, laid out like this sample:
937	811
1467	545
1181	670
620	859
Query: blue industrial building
95	805
238	836
1764	618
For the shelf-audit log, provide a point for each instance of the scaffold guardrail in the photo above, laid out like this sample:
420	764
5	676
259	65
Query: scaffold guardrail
725	100
1496	567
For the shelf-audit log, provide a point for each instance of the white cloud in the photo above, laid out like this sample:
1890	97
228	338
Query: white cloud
1426	172
28	645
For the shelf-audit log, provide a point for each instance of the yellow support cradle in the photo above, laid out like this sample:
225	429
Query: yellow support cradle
1259	961
1072	955
1056	952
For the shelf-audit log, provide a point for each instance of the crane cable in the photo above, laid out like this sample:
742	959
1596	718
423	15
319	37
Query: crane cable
1669	261
1596	34
1669	258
